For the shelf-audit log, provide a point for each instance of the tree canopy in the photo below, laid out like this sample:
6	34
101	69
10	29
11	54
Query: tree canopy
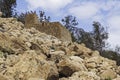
7	7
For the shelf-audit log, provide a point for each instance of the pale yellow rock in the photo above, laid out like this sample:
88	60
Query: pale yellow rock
57	56
108	74
3	77
35	79
70	65
83	75
118	78
91	65
95	53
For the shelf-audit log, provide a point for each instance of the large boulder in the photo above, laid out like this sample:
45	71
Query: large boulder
70	65
108	74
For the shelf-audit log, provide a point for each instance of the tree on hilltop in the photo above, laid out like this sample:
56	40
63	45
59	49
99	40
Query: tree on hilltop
70	22
43	17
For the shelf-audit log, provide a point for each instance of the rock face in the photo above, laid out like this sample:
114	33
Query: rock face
28	54
51	28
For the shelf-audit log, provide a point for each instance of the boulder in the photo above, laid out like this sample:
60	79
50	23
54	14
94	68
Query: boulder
57	56
81	50
95	53
70	65
118	70
108	74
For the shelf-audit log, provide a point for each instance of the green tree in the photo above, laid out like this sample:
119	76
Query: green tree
43	17
117	49
20	17
95	39
100	35
86	38
113	55
7	7
70	22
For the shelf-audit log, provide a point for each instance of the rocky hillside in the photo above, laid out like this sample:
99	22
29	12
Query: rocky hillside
27	54
51	28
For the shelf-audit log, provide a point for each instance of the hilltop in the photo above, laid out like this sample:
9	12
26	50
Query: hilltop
28	54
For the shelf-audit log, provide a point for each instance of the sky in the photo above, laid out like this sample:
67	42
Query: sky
107	12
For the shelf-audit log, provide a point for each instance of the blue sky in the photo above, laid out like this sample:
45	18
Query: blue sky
107	12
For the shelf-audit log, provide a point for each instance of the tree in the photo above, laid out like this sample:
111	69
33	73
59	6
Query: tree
100	35
113	55
21	17
7	7
86	38
70	22
43	17
117	49
95	39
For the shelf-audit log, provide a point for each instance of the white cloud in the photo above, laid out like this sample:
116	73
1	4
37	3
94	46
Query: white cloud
114	39
85	10
114	23
108	5
51	5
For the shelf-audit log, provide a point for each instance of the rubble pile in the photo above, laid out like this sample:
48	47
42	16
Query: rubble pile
27	54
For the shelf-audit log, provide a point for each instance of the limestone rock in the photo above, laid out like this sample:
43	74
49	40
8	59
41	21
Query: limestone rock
118	70
108	74
118	78
57	56
12	60
70	65
3	77
91	65
95	53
